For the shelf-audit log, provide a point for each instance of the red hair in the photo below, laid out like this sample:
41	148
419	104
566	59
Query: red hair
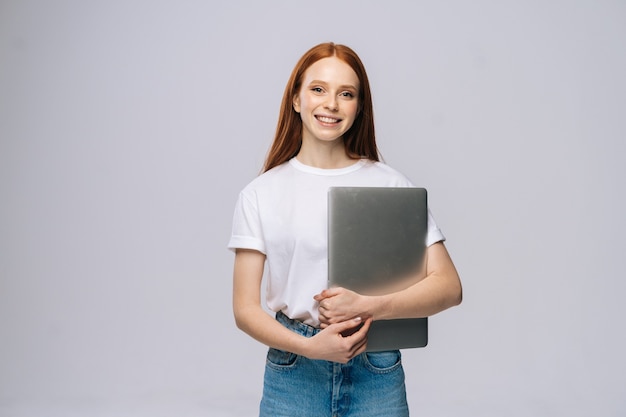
359	140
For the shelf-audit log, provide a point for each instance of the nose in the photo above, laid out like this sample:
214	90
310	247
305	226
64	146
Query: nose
331	103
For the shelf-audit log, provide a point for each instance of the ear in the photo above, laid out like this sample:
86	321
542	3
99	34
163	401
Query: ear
296	103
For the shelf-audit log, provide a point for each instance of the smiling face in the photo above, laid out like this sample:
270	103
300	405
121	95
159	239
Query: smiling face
327	101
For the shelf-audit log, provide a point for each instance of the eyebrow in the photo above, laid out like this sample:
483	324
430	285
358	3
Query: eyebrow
350	86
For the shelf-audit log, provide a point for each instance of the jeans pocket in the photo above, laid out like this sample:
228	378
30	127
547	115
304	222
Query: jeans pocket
280	359
382	362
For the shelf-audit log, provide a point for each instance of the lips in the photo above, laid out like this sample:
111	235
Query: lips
328	120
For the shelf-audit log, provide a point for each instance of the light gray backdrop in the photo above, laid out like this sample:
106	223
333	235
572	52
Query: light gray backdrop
127	128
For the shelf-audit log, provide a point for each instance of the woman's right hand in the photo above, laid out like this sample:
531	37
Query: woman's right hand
331	345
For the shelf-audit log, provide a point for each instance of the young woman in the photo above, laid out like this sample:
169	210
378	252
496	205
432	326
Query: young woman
325	137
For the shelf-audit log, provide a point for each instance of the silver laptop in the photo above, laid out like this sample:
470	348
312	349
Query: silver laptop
377	245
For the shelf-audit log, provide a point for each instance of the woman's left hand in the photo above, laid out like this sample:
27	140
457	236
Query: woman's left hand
339	304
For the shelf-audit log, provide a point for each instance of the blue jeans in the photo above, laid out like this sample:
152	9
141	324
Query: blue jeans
371	384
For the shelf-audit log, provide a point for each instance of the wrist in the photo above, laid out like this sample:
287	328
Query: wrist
302	346
380	307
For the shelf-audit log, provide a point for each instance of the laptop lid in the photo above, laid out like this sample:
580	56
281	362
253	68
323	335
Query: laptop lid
377	245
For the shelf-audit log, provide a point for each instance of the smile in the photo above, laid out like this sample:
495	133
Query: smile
325	119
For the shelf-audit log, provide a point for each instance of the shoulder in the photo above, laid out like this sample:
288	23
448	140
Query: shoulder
267	179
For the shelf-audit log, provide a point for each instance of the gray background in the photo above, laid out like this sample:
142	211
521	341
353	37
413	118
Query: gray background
127	128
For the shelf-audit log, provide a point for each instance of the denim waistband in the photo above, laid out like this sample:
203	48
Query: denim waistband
296	326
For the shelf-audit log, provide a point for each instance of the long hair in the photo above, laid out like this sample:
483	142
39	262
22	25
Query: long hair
359	140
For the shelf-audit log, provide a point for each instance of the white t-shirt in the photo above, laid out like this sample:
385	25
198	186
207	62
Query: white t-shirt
283	214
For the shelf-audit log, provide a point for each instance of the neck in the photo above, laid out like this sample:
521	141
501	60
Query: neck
330	155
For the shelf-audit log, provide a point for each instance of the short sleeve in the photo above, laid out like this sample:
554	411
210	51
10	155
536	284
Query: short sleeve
434	233
247	232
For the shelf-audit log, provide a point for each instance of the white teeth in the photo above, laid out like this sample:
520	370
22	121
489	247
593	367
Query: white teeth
327	119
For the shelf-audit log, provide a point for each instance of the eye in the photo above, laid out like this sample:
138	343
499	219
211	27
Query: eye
347	94
317	90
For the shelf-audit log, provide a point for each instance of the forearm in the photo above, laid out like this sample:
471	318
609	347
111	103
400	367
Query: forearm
438	291
426	298
258	324
329	344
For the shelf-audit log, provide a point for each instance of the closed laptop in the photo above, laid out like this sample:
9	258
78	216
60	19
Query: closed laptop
377	245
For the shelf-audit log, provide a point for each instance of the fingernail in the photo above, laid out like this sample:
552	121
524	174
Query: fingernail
357	319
